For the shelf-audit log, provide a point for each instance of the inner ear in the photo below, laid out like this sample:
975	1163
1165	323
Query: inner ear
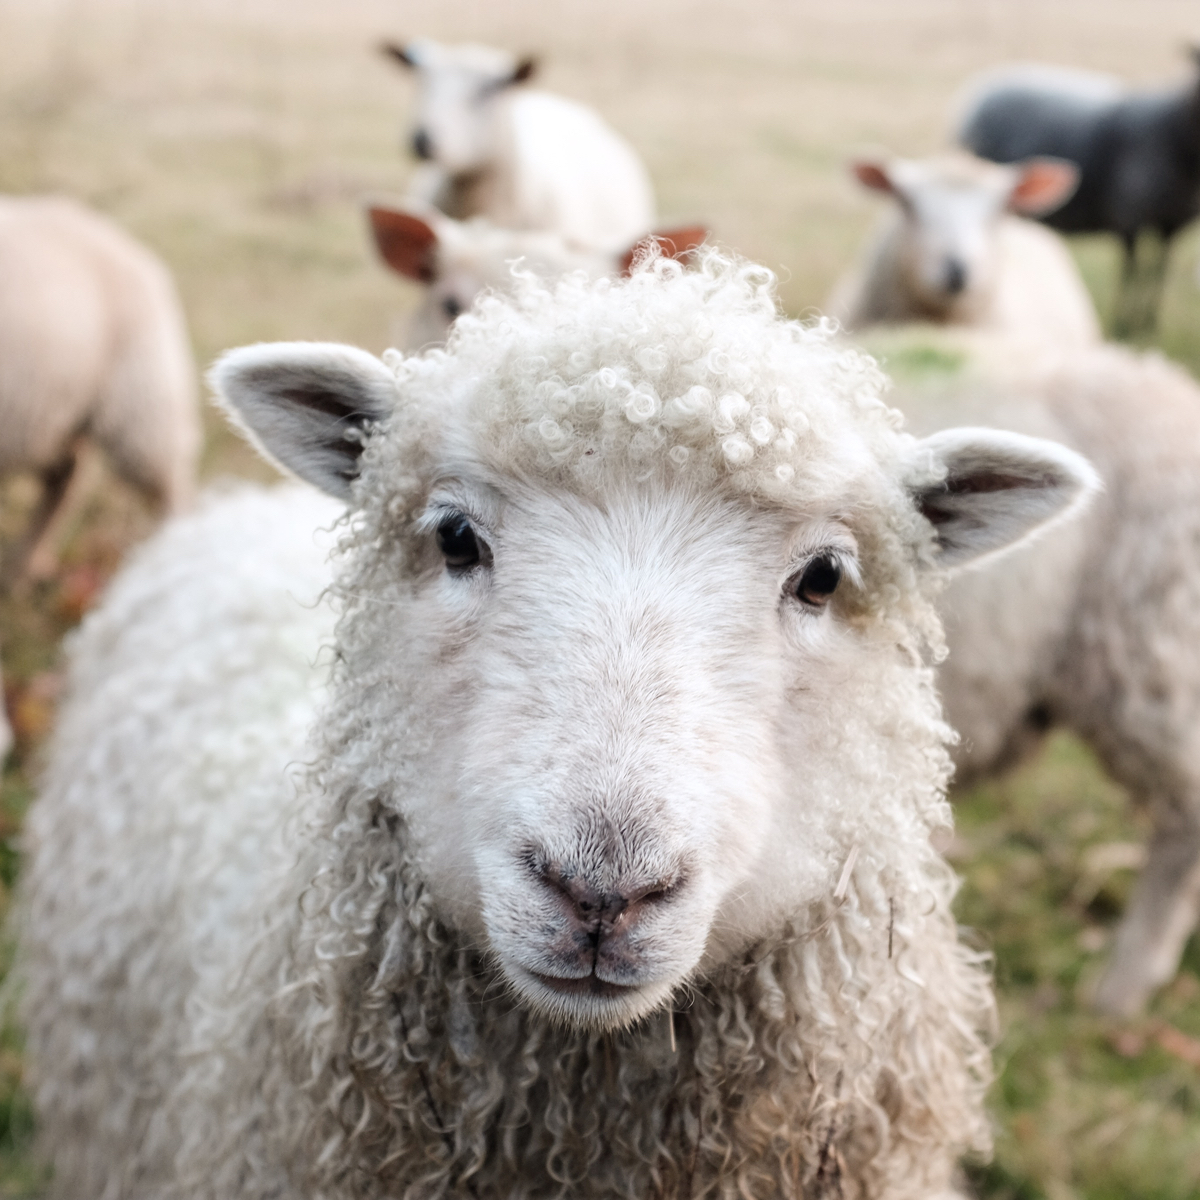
873	175
984	490
1043	185
405	242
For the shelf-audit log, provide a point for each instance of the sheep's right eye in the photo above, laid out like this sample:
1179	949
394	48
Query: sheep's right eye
461	549
451	307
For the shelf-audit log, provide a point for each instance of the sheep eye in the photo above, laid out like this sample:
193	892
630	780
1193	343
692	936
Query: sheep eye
451	307
460	547
818	581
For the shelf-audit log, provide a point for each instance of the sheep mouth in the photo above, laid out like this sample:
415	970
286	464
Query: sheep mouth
586	985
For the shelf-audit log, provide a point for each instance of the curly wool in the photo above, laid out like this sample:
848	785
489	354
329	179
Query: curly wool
356	1045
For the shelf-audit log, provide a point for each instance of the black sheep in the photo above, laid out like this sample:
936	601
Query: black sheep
1138	154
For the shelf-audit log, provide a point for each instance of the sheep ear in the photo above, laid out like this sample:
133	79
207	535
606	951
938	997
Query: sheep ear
306	406
405	242
984	490
873	175
1043	185
525	70
674	243
402	54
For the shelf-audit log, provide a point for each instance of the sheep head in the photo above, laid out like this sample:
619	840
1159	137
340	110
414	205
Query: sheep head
457	260
458	90
636	597
948	209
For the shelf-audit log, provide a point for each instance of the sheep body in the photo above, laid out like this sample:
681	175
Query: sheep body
1093	627
950	254
1138	155
276	984
524	159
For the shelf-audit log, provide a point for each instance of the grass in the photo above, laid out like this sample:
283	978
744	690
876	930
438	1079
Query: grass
236	137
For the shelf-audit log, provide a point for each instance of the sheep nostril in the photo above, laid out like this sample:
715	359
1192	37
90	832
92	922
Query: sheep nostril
603	910
956	276
422	145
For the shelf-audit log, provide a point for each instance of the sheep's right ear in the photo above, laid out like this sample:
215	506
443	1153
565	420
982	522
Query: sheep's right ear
984	490
306	406
405	242
873	175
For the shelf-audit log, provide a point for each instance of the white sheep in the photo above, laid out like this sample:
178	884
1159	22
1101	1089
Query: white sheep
950	251
92	345
1096	627
523	159
456	260
595	859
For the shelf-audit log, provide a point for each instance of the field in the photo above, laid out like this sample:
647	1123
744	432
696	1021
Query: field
237	138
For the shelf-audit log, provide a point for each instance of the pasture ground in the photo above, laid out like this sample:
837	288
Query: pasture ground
237	138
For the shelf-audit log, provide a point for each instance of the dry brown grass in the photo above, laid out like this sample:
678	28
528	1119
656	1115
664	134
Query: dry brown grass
236	136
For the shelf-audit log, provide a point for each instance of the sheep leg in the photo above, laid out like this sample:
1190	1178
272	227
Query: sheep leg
1161	916
43	559
1143	272
56	482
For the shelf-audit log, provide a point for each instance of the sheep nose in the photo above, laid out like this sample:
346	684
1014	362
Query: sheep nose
422	145
956	276
600	913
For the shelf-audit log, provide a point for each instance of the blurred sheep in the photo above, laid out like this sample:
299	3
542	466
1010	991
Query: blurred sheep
456	260
523	159
950	250
1138	154
93	348
1096	627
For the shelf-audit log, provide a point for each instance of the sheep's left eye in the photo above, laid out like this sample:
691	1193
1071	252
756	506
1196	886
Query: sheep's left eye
451	307
818	581
456	540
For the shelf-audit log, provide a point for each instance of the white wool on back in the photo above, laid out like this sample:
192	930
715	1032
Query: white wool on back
254	963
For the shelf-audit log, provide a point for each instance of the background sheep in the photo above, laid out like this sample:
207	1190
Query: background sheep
522	158
456	260
950	251
1138	154
628	729
1097	625
92	345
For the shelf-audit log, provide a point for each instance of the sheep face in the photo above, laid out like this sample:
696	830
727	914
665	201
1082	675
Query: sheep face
620	672
949	209
634	666
460	88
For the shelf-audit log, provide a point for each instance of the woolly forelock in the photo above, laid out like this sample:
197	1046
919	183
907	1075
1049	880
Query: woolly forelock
846	1054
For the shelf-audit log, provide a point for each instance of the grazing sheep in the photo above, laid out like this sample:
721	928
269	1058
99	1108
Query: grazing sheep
949	251
595	859
456	260
1096	627
92	345
521	158
1138	154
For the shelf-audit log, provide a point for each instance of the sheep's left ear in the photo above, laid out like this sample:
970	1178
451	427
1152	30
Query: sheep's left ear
984	490
1043	185
406	242
306	406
